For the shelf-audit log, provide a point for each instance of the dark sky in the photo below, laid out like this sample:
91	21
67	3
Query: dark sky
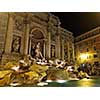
79	22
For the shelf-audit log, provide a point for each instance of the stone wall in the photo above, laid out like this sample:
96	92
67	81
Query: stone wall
22	29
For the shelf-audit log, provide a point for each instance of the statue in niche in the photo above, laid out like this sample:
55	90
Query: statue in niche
66	55
52	51
71	53
16	44
36	51
33	50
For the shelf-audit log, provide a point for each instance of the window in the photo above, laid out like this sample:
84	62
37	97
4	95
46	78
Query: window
94	48
95	55
93	41
80	39
96	63
87	50
86	43
80	45
92	34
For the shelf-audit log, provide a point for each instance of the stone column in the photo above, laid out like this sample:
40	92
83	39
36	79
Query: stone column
73	52
30	46
48	45
9	35
68	51
44	49
62	42
26	39
22	44
58	47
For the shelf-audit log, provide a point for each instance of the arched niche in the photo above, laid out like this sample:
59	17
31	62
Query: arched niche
37	35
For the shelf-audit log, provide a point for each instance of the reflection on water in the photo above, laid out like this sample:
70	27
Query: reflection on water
68	83
85	83
76	83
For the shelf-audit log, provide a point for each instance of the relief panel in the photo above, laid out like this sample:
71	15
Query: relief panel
16	43
18	24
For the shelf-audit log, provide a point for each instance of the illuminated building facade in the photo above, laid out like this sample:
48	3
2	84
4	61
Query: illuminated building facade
19	32
87	47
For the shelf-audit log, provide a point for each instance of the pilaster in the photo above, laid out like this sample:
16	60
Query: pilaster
26	39
68	51
48	45
73	52
62	43
9	35
58	47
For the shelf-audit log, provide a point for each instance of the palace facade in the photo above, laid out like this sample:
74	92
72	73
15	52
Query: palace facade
87	47
19	32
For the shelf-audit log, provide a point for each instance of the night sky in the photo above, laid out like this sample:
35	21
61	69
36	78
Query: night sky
78	22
